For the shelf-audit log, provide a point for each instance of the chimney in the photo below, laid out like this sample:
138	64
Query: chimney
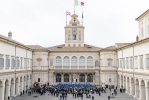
9	35
137	38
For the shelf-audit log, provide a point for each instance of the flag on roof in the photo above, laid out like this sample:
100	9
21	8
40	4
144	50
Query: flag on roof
78	3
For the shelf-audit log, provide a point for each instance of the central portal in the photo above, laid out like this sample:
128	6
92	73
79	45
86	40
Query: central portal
74	78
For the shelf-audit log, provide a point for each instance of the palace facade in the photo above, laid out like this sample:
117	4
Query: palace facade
125	65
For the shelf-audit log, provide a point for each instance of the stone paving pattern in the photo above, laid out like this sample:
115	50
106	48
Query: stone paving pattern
104	96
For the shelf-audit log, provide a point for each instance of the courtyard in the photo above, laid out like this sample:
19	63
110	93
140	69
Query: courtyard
103	96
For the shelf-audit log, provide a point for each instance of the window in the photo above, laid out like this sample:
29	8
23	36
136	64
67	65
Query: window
51	62
38	64
68	45
82	61
79	45
12	63
38	79
7	62
89	78
117	63
89	61
127	63
135	62
147	62
58	61
79	37
130	62
66	78
148	29
38	75
68	37
141	62
109	79
1	62
74	61
74	45
30	62
97	63
25	65
82	78
109	63
21	62
142	32
58	77
18	63
123	63
66	61
74	37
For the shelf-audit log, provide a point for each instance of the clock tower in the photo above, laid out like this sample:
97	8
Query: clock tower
74	33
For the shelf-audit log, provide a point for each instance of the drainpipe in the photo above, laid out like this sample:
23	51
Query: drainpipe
122	66
48	66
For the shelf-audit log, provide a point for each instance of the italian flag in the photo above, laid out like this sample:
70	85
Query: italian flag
78	3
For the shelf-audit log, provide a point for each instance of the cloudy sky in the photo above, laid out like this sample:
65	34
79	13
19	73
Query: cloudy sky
42	22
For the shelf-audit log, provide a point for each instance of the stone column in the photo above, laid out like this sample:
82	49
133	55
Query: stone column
69	77
85	77
62	77
78	77
12	89
7	90
132	88
17	86
2	87
21	85
147	93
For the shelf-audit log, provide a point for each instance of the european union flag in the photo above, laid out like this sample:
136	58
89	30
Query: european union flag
82	15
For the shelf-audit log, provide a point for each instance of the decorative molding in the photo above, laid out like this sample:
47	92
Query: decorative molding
109	59
39	59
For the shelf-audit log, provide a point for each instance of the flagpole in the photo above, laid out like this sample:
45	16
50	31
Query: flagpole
74	6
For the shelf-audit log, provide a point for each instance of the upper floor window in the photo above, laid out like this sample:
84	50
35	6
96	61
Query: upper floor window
66	61
74	45
147	62
68	37
1	62
135	62
96	63
58	61
123	63
142	32
127	62
12	62
79	37
130	62
74	37
109	63
21	62
68	45
141	62
79	45
89	61
30	62
82	61
74	61
7	62
51	62
38	64
25	63
18	62
148	29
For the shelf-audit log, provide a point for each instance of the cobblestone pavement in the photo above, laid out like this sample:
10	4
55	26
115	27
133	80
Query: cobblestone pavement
104	96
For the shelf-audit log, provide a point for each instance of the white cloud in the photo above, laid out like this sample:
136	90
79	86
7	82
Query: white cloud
42	22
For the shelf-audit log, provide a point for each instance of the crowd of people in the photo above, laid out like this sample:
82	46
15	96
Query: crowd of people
76	92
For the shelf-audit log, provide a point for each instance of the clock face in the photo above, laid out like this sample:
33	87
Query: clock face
74	31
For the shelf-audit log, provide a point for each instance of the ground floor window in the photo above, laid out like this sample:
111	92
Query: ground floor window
58	77
89	78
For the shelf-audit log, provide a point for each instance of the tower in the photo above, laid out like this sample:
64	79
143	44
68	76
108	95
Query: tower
74	33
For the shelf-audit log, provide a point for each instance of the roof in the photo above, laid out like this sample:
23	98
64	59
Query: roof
109	48
63	48
142	15
11	41
35	47
119	45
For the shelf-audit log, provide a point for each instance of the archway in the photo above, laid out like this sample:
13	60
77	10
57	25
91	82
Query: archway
90	78
21	84
6	90
66	77
128	87
137	95
58	77
132	89
142	91
12	87
82	78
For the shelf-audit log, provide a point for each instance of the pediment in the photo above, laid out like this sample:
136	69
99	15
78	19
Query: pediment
109	59
39	59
